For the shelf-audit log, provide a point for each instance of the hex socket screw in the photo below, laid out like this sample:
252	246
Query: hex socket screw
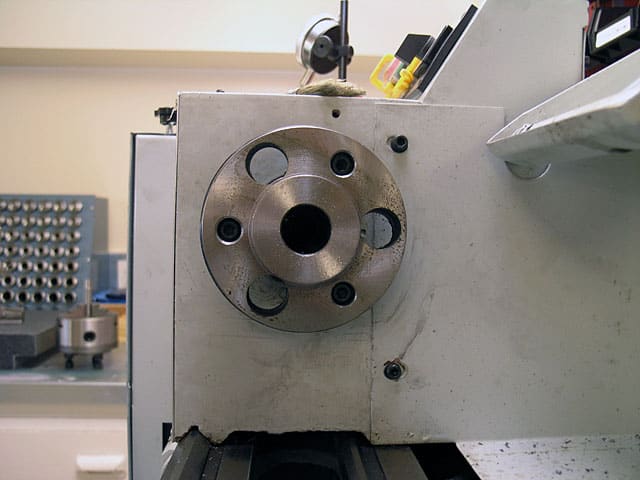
398	143
394	369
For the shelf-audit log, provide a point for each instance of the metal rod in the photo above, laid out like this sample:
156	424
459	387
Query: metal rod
87	297
344	13
307	77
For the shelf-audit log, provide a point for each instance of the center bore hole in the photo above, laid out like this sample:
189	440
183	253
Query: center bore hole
305	229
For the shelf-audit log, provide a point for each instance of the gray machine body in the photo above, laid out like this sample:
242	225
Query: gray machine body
514	309
150	300
513	305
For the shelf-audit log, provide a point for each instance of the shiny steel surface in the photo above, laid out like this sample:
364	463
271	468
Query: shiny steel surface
81	334
275	256
322	25
261	210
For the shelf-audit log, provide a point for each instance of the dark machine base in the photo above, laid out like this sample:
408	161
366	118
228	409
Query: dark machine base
311	456
28	342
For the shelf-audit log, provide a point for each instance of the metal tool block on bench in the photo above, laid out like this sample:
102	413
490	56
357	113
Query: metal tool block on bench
26	337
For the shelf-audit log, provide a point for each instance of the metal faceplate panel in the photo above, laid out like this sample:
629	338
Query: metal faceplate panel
515	310
232	373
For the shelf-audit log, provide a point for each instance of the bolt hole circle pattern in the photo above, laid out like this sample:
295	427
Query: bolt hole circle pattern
313	240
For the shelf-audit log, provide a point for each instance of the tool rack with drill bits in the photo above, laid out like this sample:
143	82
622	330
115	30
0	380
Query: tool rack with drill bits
46	243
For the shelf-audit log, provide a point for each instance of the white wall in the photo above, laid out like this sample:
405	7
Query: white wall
376	26
67	122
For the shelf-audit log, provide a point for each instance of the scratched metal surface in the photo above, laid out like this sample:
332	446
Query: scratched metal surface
609	457
232	373
516	309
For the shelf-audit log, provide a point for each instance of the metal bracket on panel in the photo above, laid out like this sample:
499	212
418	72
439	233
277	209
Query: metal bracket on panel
596	118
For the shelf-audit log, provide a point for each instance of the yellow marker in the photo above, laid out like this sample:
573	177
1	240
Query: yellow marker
403	85
385	87
398	84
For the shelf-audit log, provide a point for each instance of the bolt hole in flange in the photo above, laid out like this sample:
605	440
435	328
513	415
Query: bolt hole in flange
380	228
342	164
89	336
267	295
343	294
305	229
229	230
266	163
